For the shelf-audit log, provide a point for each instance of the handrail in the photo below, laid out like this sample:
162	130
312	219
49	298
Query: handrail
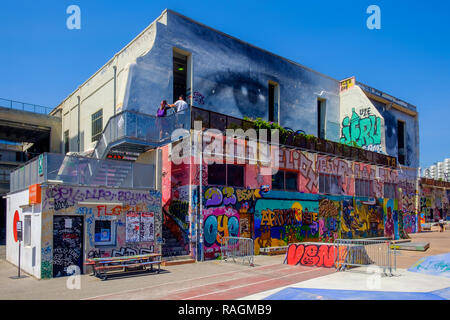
47	110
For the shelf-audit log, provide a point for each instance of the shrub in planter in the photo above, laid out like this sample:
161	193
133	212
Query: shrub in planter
311	142
330	147
300	140
339	149
347	151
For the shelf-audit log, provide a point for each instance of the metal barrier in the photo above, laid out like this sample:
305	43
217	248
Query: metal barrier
364	252
238	248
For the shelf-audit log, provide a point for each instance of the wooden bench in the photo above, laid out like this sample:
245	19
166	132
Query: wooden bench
101	266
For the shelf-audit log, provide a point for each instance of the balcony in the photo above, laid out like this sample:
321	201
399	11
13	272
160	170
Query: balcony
82	171
131	131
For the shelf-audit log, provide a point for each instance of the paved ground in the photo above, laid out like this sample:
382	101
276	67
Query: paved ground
361	283
439	243
213	279
206	280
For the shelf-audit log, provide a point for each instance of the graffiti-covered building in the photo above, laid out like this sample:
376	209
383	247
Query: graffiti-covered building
343	164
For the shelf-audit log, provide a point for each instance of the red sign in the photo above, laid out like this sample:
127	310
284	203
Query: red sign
16	219
34	192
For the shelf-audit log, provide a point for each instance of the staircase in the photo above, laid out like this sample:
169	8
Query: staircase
111	175
171	246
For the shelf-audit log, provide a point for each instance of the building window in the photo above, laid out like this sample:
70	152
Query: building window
285	180
389	190
330	184
105	233
27	230
226	175
180	73
401	142
321	113
363	188
97	125
66	141
274	93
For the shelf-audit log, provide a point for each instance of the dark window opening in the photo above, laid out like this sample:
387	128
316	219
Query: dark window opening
179	75
285	180
66	141
226	175
97	125
271	102
401	142
321	118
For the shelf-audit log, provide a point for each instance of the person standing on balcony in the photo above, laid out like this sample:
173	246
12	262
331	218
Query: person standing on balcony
180	104
162	109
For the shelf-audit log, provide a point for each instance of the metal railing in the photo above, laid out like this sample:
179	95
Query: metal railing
144	129
17	105
237	248
77	170
365	252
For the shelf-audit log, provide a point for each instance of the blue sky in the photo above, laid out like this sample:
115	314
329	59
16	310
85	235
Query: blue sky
41	61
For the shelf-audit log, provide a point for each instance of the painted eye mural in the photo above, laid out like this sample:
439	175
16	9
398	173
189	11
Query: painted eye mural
247	90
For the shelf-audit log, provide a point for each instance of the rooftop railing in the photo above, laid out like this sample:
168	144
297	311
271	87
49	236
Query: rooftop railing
151	131
296	139
75	170
23	106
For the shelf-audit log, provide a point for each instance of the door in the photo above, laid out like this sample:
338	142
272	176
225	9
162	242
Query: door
67	245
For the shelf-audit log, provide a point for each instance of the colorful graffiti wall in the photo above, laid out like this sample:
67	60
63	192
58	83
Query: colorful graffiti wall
133	227
227	211
361	219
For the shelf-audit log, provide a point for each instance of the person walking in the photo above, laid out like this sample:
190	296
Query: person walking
441	221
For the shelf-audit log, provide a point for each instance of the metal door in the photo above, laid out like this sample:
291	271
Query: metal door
67	245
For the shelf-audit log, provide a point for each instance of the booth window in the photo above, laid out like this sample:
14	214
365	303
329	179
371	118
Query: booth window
105	232
27	230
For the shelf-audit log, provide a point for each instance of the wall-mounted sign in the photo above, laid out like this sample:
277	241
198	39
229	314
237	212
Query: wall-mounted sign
123	155
34	194
347	83
19	230
41	164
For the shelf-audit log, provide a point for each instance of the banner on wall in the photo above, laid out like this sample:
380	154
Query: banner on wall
133	224
147	226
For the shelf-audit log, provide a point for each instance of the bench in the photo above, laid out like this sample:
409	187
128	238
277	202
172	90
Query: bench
101	266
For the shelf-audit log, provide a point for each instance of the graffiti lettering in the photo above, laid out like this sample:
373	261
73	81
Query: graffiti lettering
363	131
314	255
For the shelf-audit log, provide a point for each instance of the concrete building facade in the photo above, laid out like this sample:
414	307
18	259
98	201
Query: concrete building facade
346	165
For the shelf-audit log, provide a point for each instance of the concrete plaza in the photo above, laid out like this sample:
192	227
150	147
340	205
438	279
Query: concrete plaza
226	280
